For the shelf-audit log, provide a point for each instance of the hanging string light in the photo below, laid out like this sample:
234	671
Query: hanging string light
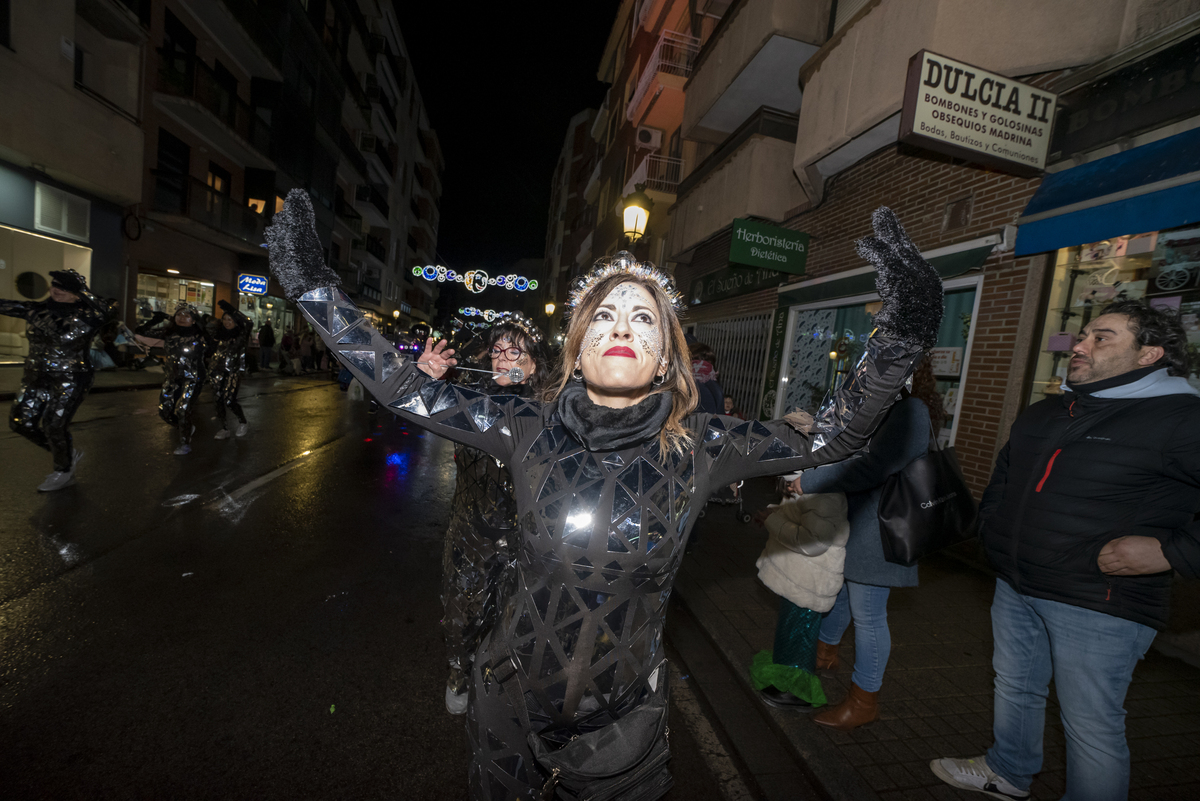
474	280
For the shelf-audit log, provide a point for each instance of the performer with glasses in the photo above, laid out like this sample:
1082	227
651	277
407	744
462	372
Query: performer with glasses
608	473
479	559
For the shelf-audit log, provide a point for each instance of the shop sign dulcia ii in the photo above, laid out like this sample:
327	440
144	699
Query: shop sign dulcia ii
757	244
967	112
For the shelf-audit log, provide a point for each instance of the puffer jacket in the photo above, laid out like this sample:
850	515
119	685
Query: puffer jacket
1121	458
806	549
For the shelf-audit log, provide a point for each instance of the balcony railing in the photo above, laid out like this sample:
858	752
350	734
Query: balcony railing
192	79
658	173
347	214
354	86
185	196
370	193
262	32
674	55
372	245
351	151
376	95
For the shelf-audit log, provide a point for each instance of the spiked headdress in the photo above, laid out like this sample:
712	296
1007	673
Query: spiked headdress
624	262
522	322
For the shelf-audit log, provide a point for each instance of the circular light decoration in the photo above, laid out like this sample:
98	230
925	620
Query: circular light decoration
474	280
487	314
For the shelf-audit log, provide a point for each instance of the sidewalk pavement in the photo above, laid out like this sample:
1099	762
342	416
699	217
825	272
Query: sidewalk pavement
936	699
119	380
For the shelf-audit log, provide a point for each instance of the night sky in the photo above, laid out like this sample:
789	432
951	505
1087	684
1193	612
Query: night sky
500	82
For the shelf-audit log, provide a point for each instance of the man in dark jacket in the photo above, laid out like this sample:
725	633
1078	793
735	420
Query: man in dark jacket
1088	512
266	341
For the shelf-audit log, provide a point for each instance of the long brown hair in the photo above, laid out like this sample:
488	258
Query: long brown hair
924	389
675	437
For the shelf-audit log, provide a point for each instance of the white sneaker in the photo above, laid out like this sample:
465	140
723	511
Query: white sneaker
56	481
183	450
242	429
974	774
456	703
222	434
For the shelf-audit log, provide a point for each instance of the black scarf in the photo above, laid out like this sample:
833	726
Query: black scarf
601	428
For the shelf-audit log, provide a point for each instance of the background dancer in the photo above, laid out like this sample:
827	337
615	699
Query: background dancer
58	370
229	336
481	543
186	344
608	476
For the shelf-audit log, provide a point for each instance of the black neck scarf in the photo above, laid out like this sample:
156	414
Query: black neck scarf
601	428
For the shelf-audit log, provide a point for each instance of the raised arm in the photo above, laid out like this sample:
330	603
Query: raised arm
903	436
908	322
14	308
491	424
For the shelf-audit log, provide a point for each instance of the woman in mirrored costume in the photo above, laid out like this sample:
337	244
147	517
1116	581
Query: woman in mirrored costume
58	370
608	475
229	336
186	344
479	559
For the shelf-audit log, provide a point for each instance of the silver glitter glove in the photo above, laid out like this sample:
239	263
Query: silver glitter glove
296	259
911	290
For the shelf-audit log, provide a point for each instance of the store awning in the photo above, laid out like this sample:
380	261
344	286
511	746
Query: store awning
1148	188
862	282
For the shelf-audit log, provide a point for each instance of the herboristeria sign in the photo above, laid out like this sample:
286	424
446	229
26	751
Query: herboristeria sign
961	110
756	244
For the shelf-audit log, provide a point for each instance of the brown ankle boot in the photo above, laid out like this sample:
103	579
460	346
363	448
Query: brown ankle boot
858	708
827	656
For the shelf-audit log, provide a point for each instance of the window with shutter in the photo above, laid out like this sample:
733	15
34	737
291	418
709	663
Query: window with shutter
62	213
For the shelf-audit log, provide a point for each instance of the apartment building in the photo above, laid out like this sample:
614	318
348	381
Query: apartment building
572	219
70	146
647	61
1026	254
151	141
246	101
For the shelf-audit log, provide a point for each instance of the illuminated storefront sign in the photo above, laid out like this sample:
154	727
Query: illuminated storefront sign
252	284
475	280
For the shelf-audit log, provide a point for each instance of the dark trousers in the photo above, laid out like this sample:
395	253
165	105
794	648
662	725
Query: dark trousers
43	410
225	387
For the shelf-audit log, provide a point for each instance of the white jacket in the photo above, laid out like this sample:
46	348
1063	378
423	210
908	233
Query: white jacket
806	550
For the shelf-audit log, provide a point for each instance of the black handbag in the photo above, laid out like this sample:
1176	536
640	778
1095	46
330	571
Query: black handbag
925	507
625	760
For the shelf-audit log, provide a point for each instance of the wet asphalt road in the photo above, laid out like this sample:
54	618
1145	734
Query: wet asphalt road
257	619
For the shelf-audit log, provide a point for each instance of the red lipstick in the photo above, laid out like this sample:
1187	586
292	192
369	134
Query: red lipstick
620	350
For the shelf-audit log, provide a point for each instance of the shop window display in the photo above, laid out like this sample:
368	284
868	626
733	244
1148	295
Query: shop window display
158	294
1161	267
260	308
827	342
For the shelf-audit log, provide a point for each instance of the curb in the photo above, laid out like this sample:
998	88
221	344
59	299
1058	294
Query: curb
8	396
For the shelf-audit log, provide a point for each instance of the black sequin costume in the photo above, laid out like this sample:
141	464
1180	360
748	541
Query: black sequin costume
58	370
479	560
227	362
186	350
601	534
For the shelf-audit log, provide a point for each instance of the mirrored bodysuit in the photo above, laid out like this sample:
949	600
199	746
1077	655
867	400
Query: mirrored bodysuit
601	534
479	558
186	349
58	371
227	362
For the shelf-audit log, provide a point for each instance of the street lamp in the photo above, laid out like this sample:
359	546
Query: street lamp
637	212
395	314
549	309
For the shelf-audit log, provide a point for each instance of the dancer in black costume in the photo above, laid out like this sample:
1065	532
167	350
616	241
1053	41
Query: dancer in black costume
58	370
229	336
479	560
607	479
187	344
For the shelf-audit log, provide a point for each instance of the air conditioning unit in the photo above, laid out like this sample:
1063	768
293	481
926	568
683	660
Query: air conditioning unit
649	138
366	142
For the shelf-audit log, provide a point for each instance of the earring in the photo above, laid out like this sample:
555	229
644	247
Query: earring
658	380
577	375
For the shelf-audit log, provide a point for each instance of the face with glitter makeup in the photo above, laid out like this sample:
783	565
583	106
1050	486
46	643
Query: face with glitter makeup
622	351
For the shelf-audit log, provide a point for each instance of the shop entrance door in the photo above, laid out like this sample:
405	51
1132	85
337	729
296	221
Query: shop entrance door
741	348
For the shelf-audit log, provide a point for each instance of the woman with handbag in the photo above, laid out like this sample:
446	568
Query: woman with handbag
568	690
868	577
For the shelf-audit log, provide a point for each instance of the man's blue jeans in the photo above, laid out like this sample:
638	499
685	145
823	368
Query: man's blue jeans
1091	657
872	639
264	357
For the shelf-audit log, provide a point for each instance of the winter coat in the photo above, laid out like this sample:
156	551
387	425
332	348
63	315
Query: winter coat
266	336
711	394
1079	470
903	437
803	558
